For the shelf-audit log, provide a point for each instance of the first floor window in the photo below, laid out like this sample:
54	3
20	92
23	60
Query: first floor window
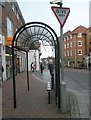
9	27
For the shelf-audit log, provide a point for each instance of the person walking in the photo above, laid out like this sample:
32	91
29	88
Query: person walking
51	70
2	69
41	67
2	73
51	67
32	67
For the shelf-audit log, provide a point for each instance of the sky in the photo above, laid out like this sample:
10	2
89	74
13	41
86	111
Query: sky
40	10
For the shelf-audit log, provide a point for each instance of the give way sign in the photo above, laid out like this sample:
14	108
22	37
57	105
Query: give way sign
61	14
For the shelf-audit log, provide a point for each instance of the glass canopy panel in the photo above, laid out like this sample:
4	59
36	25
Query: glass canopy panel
30	34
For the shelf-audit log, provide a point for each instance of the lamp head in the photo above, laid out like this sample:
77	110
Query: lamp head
56	2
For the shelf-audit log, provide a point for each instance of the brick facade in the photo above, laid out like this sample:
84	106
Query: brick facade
76	47
12	11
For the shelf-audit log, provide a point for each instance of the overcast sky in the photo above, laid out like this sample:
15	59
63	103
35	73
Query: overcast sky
40	10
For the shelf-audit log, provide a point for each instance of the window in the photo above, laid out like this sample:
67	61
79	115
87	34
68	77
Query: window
79	52
79	34
67	37
64	46
68	53
70	44
65	53
64	39
71	53
70	36
67	45
9	27
17	16
79	43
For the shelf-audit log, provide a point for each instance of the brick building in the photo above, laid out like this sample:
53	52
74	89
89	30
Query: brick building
88	38
10	20
76	47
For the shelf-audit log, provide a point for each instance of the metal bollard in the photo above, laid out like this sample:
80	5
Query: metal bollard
48	89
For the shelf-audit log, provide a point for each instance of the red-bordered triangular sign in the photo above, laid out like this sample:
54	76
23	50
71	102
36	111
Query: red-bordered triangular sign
61	14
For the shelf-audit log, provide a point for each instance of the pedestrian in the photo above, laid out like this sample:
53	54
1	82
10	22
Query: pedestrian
32	67
51	67
2	69
2	73
41	67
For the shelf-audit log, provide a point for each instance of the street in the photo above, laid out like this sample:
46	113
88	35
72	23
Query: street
77	81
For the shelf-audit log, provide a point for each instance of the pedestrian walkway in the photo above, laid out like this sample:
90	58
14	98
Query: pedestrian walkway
34	103
30	104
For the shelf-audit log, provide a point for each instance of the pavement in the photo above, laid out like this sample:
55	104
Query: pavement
34	103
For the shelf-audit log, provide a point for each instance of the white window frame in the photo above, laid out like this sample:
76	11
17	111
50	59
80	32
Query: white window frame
64	39
9	27
70	44
79	35
70	36
67	37
68	53
64	46
79	51
71	53
80	44
65	53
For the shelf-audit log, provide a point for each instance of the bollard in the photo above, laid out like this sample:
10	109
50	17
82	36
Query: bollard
48	89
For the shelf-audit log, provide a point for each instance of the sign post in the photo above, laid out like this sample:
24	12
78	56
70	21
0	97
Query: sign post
61	14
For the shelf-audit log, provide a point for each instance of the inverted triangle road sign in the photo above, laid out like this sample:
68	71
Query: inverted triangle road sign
61	14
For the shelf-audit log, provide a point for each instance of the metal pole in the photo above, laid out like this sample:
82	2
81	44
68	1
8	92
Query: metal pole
63	98
62	54
14	85
27	72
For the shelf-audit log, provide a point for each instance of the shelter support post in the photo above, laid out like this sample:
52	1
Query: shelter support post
56	75
58	81
14	84
27	72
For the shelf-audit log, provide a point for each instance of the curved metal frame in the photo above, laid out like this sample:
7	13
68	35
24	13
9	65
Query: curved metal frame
57	56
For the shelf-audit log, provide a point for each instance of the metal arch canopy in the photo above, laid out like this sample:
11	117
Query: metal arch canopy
32	32
27	36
